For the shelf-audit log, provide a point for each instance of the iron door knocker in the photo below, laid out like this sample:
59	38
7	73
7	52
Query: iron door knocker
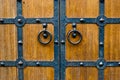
45	33
74	34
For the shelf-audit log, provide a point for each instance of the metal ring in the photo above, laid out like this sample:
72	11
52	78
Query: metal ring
45	35
72	33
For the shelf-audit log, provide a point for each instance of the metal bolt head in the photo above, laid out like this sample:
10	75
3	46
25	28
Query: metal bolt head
20	62
102	20
20	42
37	63
74	35
37	20
19	20
101	64
1	20
2	63
101	0
82	20
56	41
81	63
63	42
101	43
44	25
45	35
118	63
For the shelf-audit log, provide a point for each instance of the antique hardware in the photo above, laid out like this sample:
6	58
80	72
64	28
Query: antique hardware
19	21
74	34
82	20
45	35
38	20
1	20
2	64
62	41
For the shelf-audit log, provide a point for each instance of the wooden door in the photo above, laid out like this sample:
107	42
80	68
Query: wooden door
59	40
91	32
29	40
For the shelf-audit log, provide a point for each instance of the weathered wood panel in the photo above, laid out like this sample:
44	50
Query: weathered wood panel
87	49
39	73
112	42
82	8
81	73
8	8
38	8
33	50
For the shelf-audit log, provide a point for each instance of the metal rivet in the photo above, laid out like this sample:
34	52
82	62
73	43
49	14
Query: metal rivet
101	43
102	20
37	63
82	20
101	64
37	20
1	20
101	0
2	63
45	35
20	63
44	25
20	42
118	63
63	42
19	20
56	41
81	63
74	35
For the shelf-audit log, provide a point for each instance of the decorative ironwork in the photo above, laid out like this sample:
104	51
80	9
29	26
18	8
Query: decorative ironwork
20	21
74	34
45	35
101	21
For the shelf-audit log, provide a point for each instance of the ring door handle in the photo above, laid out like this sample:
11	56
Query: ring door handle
45	34
74	33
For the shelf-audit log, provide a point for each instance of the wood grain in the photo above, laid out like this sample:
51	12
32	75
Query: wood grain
38	8
41	73
112	42
33	50
8	42
88	47
82	8
81	73
112	73
9	73
7	8
112	8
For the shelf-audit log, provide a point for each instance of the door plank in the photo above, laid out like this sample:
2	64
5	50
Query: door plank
9	73
38	8
87	49
8	41
112	42
39	73
8	8
82	8
112	8
81	73
32	49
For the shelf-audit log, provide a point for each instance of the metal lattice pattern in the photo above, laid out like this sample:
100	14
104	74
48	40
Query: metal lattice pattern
20	21
101	21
